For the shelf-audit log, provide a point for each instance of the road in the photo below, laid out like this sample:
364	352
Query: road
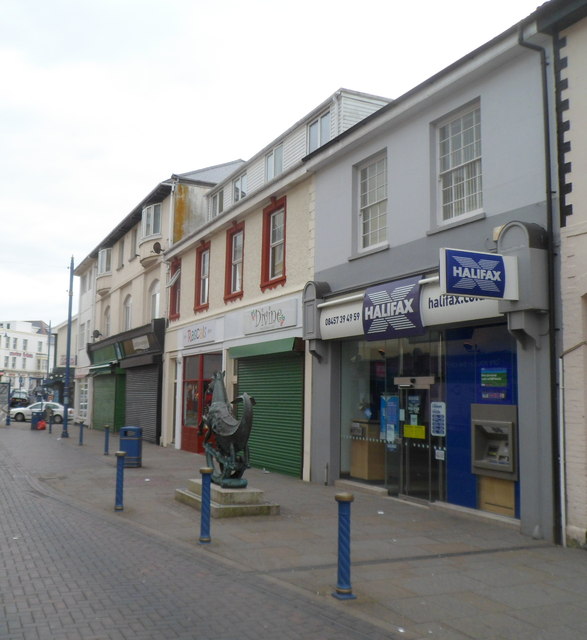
68	572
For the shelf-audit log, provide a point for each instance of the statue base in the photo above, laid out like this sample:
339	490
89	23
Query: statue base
227	502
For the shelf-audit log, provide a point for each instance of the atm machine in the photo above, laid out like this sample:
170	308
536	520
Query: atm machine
494	456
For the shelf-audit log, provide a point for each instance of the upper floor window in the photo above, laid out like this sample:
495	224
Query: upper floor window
25	344
459	162
15	343
106	327
239	187
274	163
121	253
152	220
174	286
273	249
202	277
40	347
6	342
127	313
104	261
154	300
319	132
233	283
373	203
217	204
133	249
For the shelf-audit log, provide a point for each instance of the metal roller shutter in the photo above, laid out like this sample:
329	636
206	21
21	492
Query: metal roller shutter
277	384
142	401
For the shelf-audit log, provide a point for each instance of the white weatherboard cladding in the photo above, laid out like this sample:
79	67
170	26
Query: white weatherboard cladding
294	147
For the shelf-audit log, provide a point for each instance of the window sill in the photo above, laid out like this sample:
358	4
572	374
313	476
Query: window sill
233	296
201	308
456	222
369	252
271	284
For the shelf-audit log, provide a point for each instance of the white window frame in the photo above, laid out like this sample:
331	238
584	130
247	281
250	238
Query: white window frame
236	267
127	313
460	170
319	131
104	261
239	187
204	277
151	220
134	244
372	205
276	244
217	204
274	163
154	299
121	253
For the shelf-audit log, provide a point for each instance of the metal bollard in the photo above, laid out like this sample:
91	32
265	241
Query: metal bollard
118	503
51	423
106	440
81	433
344	591
205	506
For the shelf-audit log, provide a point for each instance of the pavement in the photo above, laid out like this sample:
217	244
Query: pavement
417	571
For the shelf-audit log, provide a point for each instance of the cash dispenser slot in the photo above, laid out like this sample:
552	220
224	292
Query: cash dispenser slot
494	448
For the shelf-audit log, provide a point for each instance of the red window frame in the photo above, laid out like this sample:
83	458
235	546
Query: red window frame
228	293
266	281
199	306
174	290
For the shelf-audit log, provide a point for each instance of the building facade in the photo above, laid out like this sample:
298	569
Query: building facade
566	22
236	304
433	389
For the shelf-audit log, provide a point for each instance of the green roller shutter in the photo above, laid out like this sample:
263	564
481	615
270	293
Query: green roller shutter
277	384
109	404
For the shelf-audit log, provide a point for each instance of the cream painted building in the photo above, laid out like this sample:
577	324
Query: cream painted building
236	288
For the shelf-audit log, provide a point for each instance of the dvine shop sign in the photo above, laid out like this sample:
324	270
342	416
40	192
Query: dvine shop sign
392	310
477	274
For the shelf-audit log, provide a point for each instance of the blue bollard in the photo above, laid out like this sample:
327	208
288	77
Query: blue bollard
106	440
51	423
344	591
205	506
118	502
81	433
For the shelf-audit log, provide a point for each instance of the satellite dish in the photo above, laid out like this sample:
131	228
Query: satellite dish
96	334
157	248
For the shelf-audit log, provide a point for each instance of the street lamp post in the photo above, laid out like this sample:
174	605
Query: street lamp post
64	433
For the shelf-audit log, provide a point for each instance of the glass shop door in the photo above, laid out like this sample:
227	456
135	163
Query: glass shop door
415	463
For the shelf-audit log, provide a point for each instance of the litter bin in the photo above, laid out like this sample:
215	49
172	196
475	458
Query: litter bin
131	441
36	417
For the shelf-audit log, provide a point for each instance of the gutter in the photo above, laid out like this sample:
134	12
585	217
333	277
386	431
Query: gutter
558	488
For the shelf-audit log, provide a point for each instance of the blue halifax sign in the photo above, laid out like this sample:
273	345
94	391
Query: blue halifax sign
392	310
477	274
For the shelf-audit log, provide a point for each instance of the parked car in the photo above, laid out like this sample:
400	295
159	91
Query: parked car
24	413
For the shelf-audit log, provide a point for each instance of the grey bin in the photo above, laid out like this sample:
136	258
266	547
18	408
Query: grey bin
131	441
36	417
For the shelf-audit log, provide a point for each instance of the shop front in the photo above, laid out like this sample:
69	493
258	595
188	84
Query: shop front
438	388
405	400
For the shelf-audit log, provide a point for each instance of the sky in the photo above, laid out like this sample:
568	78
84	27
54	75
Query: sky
101	100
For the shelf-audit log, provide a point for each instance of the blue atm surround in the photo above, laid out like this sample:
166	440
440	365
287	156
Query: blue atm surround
478	360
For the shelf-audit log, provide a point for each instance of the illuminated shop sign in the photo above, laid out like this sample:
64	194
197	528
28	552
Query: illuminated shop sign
392	310
477	274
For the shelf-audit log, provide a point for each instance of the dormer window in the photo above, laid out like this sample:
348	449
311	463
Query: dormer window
217	204
274	163
151	220
239	187
319	132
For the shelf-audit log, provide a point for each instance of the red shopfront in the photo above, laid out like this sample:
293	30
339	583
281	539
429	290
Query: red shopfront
197	373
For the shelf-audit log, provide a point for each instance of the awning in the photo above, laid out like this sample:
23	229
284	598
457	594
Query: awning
267	348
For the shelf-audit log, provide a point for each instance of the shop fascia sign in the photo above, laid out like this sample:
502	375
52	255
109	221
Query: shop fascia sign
202	333
478	274
392	310
272	316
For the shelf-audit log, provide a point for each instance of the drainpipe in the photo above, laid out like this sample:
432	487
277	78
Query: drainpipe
558	488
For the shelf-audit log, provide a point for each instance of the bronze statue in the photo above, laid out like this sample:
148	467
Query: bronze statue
226	439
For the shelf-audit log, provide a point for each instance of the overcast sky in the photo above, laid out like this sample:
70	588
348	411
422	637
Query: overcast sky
101	100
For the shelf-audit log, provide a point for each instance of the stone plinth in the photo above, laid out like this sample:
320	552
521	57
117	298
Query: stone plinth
227	503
